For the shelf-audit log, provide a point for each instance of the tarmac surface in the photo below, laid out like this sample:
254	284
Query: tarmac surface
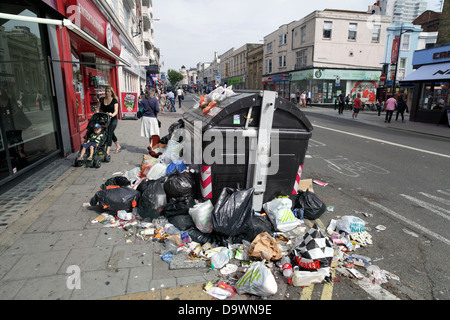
46	234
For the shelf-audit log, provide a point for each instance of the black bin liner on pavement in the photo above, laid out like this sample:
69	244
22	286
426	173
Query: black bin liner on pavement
116	199
153	198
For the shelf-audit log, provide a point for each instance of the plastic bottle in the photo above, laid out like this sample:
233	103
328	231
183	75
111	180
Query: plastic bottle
287	268
220	259
170	229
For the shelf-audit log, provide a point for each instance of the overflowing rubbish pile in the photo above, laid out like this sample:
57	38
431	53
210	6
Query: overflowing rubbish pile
159	202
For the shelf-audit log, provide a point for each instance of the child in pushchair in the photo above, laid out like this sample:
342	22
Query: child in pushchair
95	141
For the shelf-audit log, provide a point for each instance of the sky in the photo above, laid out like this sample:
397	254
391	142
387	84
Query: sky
190	31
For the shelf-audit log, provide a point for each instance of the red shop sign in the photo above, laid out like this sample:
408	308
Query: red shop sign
88	18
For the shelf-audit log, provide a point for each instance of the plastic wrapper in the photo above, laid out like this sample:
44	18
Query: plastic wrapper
313	251
310	202
265	247
258	280
281	215
350	224
177	165
201	213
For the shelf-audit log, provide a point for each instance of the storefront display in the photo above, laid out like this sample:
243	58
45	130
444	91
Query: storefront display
28	129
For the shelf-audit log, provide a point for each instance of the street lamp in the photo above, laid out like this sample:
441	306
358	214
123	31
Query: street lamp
394	85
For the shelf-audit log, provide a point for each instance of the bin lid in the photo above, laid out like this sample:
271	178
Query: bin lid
233	112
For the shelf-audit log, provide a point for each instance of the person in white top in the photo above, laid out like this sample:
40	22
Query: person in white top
180	95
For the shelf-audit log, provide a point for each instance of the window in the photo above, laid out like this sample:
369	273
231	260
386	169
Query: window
282	39
282	61
327	26
352	28
303	34
269	47
435	96
301	59
376	33
268	66
405	42
401	68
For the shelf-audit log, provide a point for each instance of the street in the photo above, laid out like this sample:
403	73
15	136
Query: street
397	176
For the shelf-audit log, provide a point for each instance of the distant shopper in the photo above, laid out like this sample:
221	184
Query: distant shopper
347	100
171	97
39	101
309	98
150	126
180	95
401	108
303	99
162	101
356	106
341	103
293	97
391	103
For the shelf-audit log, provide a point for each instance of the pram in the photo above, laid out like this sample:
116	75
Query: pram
100	150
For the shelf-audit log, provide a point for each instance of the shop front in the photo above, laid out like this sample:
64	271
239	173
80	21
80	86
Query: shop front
326	84
279	83
89	60
430	101
30	132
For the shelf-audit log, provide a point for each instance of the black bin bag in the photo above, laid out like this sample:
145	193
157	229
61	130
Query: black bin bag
232	213
179	185
310	202
116	199
153	198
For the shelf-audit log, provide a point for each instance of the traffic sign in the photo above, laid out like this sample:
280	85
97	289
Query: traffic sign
383	77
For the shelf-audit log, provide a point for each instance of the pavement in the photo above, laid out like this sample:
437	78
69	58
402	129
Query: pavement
47	240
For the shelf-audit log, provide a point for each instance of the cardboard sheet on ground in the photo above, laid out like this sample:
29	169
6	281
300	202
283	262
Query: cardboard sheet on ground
305	184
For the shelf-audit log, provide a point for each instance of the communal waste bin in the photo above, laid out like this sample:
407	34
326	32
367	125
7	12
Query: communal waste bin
251	139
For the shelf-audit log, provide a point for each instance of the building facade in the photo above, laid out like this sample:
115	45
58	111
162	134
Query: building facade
402	11
326	52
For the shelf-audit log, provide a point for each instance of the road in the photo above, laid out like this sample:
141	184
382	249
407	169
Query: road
399	177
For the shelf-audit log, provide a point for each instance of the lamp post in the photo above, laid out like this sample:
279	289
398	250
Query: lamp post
394	85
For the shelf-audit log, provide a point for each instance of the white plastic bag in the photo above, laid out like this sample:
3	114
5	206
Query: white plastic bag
350	224
281	215
220	94
201	214
157	171
172	152
258	280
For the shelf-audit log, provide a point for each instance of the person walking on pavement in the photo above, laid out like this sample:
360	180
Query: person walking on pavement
150	126
347	100
303	99
401	107
162	101
356	106
341	103
309	98
391	103
39	100
171	97
180	95
110	105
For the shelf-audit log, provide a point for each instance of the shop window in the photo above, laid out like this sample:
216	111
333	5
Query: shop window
327	27
27	125
435	96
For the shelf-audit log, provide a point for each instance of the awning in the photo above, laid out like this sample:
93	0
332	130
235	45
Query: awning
431	72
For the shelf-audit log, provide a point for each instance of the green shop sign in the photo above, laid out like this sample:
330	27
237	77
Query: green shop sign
329	74
235	80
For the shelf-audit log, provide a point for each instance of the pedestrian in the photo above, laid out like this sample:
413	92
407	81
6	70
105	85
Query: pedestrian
378	105
180	95
293	97
303	99
401	107
356	106
171	97
110	105
341	103
309	98
91	142
347	100
391	103
39	100
162	101
150	125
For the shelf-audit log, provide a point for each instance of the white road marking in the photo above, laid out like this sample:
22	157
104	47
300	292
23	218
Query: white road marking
429	206
411	223
386	142
443	192
438	199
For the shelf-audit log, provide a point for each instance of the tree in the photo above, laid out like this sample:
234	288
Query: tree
174	77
